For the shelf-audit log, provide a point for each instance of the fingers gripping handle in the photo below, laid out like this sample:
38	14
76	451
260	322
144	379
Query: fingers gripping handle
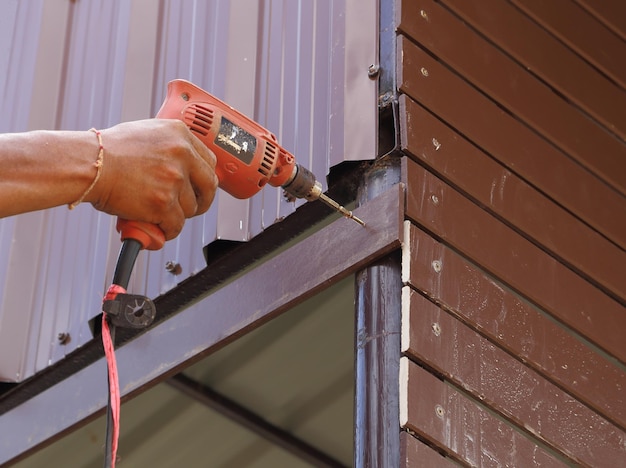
148	235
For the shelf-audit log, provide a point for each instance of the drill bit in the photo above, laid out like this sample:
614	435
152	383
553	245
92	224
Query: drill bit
336	206
303	184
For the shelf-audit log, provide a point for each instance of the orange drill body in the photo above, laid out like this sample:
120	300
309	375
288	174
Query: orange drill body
248	155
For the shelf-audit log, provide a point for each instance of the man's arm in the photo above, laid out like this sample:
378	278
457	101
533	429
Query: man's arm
153	170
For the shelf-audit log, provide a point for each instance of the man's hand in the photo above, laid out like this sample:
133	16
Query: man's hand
155	171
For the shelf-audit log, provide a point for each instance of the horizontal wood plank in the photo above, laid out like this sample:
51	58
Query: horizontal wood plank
515	325
416	454
517	262
516	89
531	213
509	387
460	427
550	60
501	136
598	45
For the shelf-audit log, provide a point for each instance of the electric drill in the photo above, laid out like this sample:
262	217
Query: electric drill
248	155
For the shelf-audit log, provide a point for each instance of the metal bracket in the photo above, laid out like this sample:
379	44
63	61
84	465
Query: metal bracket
130	311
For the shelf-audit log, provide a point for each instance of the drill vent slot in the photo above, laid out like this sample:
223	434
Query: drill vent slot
199	118
269	156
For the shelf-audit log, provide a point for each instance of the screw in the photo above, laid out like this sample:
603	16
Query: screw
440	411
434	199
373	71
436	266
436	144
174	268
424	71
185	97
64	338
436	329
424	14
385	98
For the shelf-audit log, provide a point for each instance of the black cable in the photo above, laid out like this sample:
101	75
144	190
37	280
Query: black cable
125	262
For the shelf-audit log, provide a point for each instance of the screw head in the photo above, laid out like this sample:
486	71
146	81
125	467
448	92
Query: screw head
173	267
373	71
436	265
64	338
424	71
386	97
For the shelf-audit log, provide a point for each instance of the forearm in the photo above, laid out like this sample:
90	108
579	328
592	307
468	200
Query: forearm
44	169
153	170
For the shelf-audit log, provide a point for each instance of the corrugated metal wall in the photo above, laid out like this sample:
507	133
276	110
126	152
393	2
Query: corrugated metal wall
294	66
513	118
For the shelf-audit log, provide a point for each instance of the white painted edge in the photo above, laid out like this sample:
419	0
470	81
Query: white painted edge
405	321
406	252
403	391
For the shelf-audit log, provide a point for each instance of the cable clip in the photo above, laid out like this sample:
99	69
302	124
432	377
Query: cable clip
130	310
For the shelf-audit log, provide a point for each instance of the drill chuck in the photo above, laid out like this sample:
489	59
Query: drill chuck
303	184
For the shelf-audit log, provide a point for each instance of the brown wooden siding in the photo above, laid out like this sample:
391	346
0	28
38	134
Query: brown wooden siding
509	387
415	454
513	120
610	14
600	46
509	197
500	135
519	263
505	318
547	59
467	431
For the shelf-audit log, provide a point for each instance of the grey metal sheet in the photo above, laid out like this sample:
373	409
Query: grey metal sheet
18	48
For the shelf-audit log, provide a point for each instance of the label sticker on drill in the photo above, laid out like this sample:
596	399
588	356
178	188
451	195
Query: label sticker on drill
236	141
